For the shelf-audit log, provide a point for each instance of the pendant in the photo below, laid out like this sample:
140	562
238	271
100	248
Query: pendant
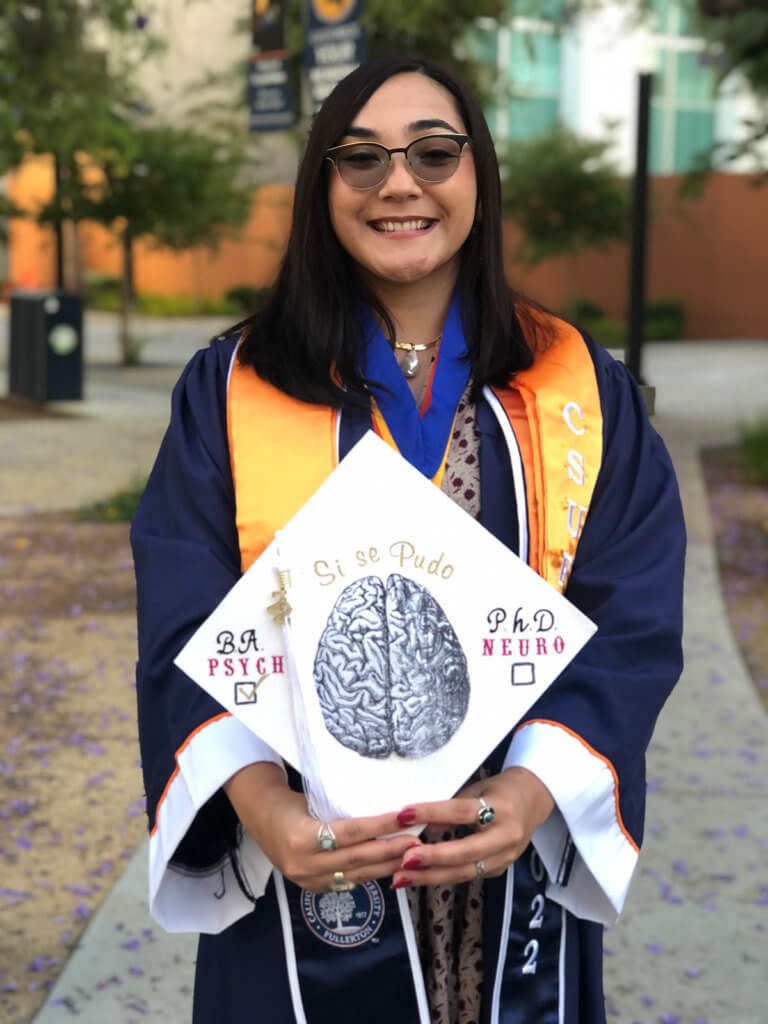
411	364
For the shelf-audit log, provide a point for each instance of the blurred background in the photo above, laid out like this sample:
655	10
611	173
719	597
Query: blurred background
147	154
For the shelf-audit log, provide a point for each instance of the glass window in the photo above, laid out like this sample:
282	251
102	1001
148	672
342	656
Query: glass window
661	9
530	116
695	80
534	65
483	44
694	134
656	140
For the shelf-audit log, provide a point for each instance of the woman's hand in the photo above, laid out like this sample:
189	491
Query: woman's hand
521	803
277	818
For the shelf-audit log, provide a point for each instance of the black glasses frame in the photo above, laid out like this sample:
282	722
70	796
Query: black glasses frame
335	151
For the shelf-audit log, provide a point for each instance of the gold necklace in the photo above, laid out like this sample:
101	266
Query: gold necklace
410	365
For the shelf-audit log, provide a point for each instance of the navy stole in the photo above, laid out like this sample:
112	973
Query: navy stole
351	953
524	985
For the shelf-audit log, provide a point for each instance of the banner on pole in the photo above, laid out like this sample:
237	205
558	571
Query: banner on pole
335	44
269	83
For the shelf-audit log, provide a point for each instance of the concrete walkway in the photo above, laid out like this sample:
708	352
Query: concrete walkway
692	945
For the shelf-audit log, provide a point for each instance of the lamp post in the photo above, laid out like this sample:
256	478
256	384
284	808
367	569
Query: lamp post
646	66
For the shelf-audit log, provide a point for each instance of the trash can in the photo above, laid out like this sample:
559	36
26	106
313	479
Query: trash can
46	346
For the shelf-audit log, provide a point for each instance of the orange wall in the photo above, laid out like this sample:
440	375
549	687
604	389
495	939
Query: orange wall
30	248
710	253
251	258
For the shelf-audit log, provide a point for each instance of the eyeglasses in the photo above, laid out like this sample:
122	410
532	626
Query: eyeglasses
364	165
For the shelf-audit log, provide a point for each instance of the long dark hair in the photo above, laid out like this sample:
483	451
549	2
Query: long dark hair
306	337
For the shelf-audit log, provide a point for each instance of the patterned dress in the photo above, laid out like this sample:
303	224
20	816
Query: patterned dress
448	919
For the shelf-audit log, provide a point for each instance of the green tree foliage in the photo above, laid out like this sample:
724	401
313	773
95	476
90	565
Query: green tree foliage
60	90
565	194
70	70
57	86
741	28
431	28
174	185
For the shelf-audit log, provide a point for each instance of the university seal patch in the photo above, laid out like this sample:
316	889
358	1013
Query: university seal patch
344	919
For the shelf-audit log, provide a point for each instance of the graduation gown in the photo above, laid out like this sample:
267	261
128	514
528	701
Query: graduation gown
585	738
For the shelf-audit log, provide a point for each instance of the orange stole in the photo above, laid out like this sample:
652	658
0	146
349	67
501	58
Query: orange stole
557	403
282	449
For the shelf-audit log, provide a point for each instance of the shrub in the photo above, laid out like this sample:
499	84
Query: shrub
183	305
218	307
118	507
665	320
578	310
609	332
247	298
754	448
102	292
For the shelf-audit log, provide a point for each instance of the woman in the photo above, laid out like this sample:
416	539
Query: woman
391	306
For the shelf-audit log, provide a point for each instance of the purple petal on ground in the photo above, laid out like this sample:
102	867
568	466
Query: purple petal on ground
130	944
82	912
693	972
654	947
114	980
23	843
741	832
133	969
139	1007
669	1018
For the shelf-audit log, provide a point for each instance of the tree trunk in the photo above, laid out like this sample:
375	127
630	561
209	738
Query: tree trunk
57	226
128	346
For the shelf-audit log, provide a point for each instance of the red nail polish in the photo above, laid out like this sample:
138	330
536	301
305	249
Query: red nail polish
401	883
410	846
407	817
412	862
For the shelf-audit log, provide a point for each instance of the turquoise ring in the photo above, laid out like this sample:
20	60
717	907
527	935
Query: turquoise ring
486	814
326	840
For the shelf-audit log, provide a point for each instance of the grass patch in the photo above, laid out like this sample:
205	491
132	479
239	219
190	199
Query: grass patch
118	507
754	449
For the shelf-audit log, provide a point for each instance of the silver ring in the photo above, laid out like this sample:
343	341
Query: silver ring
486	814
479	869
340	884
326	840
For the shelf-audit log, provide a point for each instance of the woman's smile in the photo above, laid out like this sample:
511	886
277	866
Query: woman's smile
404	227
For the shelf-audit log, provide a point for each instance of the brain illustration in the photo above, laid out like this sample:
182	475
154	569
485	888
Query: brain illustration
389	670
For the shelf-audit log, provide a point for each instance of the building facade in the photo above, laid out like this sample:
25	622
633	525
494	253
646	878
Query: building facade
582	73
708	255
